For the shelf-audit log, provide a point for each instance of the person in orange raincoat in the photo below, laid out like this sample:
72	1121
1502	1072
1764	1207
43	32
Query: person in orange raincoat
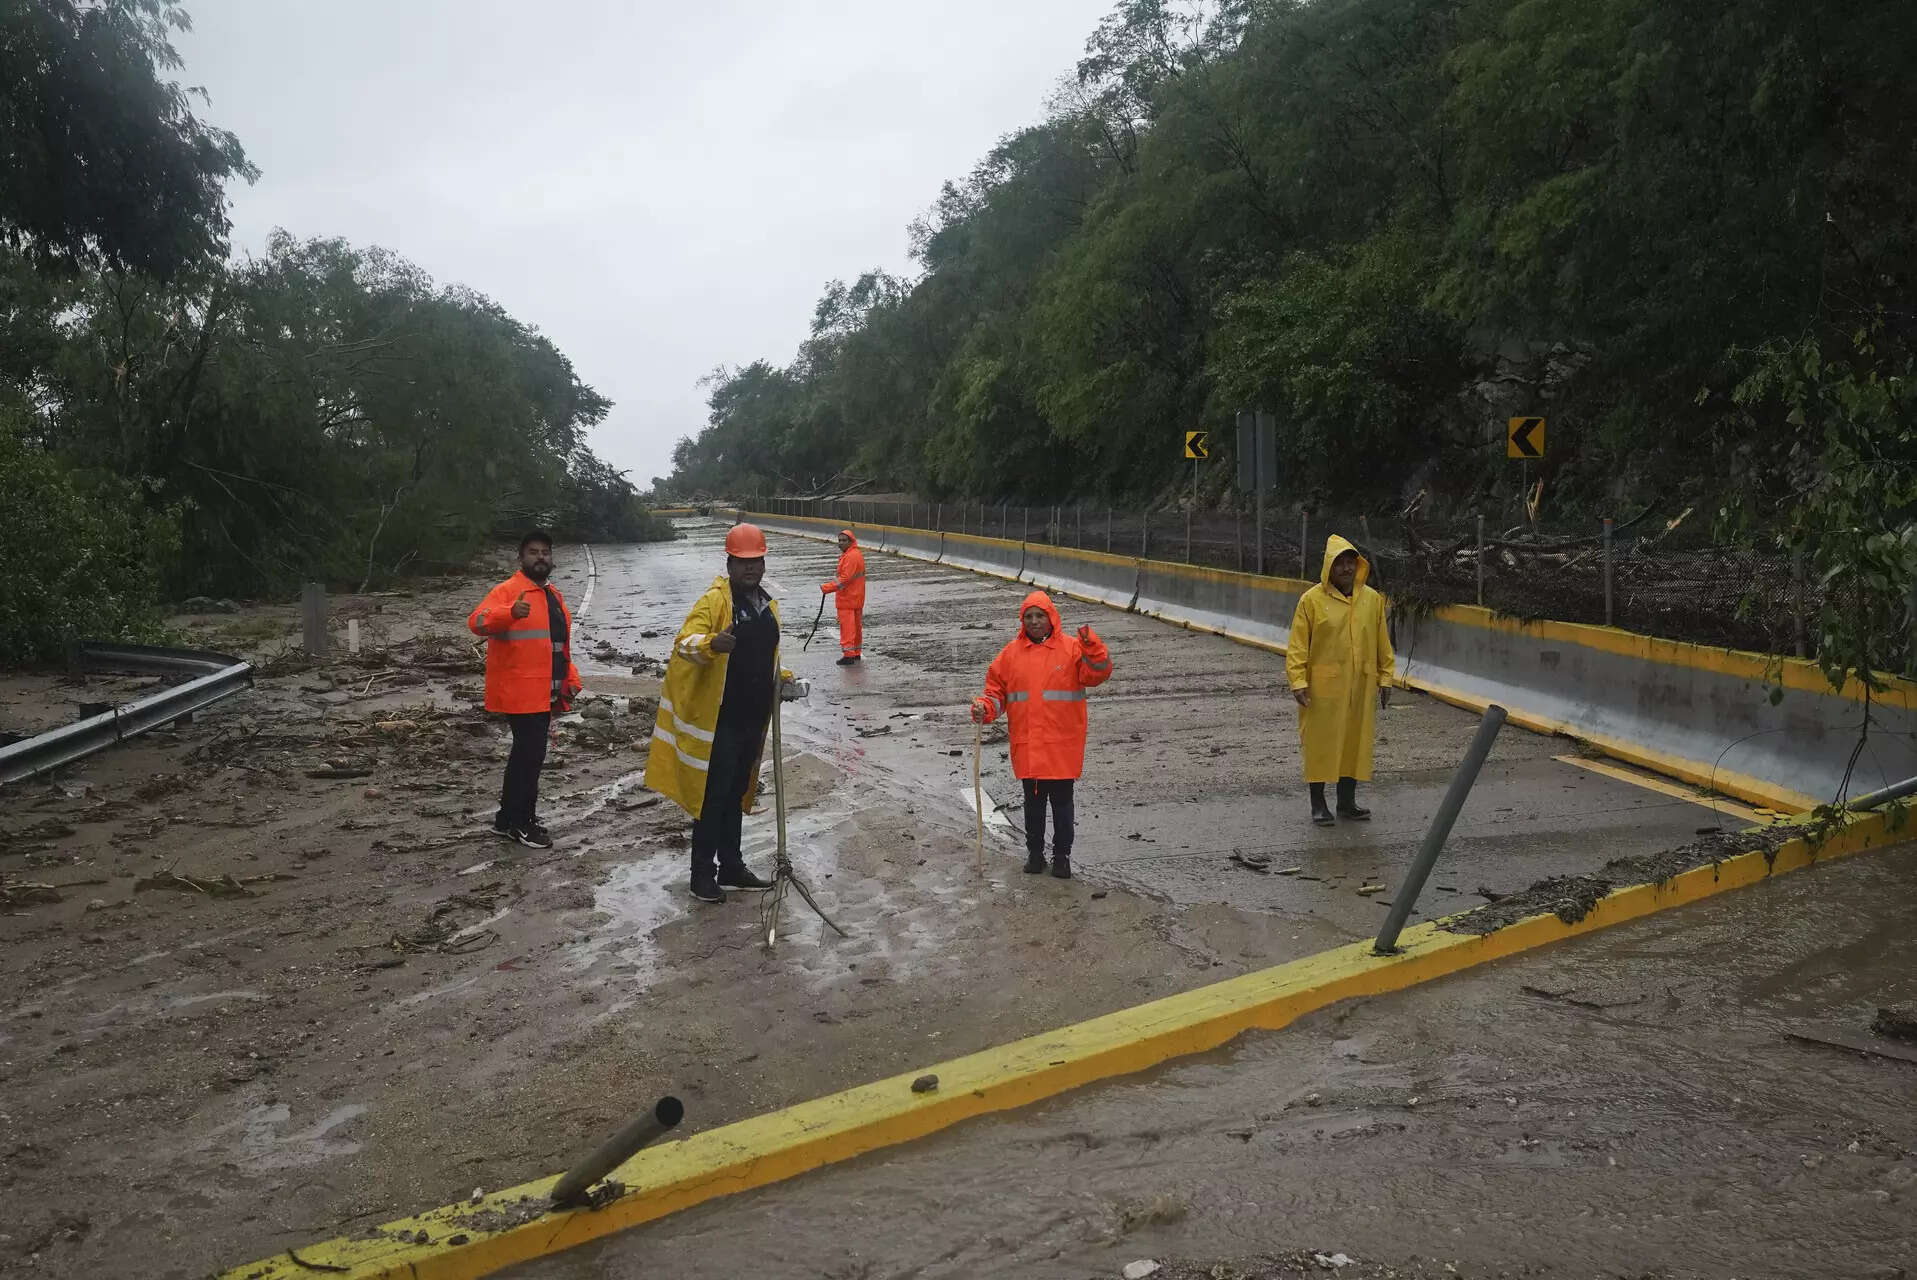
529	675
1340	666
1039	681
850	585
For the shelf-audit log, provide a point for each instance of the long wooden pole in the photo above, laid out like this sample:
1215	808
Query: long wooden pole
978	792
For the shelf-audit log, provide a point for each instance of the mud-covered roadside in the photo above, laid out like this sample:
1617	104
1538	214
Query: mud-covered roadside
292	986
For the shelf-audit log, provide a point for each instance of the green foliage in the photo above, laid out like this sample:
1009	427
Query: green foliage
1844	467
104	159
88	554
1391	222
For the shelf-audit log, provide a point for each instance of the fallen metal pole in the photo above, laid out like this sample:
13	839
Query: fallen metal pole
1447	816
1877	799
618	1149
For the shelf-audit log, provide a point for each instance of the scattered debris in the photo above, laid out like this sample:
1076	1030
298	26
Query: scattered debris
925	1084
225	886
1841	1039
1252	861
1332	1262
334	773
1368	889
1140	1269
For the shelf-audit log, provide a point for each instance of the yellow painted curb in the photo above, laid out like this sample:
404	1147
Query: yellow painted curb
461	1242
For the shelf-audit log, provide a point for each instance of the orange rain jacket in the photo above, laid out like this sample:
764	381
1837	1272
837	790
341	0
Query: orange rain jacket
519	650
850	582
1041	688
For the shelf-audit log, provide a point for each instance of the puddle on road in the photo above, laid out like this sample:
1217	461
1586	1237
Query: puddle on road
262	1145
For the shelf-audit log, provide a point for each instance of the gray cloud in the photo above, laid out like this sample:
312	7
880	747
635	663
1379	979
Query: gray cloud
661	188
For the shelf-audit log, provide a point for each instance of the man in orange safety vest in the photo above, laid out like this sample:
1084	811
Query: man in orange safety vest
529	676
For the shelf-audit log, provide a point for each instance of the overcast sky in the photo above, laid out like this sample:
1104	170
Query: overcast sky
660	188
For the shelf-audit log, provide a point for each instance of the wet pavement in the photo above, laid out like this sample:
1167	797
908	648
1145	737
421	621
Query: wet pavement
1627	1104
206	1081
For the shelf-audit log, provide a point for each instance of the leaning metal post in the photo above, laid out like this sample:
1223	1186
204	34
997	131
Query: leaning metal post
1461	783
616	1150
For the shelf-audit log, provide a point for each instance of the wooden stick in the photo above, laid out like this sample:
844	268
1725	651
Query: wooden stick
978	793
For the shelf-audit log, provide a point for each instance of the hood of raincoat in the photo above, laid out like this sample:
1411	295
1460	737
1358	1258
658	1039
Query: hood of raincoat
847	533
1336	546
1039	600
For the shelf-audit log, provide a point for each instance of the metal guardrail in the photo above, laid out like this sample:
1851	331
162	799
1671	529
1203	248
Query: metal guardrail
212	676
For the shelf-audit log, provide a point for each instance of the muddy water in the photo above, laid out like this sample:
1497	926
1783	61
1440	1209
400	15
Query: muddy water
1624	1105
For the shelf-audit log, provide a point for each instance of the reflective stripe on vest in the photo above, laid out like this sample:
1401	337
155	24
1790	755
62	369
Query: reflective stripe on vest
539	633
1017	697
1063	695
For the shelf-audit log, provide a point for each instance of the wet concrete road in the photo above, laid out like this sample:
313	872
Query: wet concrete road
1624	1105
1193	752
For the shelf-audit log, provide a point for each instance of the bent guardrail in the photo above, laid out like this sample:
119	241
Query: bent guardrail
213	676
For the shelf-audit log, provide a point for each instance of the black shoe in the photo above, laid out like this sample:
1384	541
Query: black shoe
848	661
1354	813
741	877
1322	816
532	835
708	891
1061	866
1034	864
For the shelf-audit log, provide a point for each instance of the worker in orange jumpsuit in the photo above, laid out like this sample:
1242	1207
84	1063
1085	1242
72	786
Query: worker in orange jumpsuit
529	676
849	583
1039	681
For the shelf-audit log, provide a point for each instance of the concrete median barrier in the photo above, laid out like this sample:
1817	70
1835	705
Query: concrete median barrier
1086	575
1243	606
998	557
1764	729
917	544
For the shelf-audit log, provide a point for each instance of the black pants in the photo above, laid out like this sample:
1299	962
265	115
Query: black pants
1037	792
1347	793
519	797
716	831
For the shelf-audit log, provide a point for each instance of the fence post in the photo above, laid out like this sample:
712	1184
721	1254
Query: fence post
1258	519
1480	560
1145	536
1108	527
1238	539
1188	527
1078	518
1797	602
1058	528
313	616
1304	544
1026	536
1608	614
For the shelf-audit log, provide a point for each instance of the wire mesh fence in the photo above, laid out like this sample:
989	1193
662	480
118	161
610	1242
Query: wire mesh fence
1655	574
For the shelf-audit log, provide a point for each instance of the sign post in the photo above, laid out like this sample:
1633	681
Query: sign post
1257	469
1197	448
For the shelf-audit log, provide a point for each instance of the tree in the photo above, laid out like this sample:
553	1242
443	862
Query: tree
104	159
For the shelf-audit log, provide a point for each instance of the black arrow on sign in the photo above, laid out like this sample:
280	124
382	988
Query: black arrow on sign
1521	438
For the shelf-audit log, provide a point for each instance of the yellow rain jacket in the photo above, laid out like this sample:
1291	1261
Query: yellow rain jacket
689	705
1341	651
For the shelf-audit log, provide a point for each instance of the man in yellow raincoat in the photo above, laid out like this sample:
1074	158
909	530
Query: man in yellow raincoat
1339	653
709	737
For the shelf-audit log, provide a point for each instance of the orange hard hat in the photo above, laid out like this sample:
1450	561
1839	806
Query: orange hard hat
745	541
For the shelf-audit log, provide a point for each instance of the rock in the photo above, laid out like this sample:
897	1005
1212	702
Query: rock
96	904
319	684
1332	1262
336	698
925	1084
1140	1269
373	793
597	711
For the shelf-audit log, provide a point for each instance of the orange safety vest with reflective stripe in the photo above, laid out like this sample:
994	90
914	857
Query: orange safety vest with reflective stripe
519	651
849	581
1041	689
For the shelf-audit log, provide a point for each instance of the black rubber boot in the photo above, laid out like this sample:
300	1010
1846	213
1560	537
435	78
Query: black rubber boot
1348	801
1035	863
1062	866
1319	813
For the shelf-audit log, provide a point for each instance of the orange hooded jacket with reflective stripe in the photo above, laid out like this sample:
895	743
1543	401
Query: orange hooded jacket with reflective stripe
519	650
850	582
1041	689
1340	650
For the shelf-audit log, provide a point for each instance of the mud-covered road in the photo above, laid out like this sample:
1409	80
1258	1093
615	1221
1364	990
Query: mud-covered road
399	1008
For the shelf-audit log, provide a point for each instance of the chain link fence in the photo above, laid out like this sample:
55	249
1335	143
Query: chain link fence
1657	574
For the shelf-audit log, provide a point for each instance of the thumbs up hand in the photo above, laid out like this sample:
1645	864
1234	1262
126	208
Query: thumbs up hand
724	642
520	608
1085	635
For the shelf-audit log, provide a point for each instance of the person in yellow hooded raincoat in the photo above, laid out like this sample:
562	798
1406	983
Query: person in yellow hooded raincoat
1340	665
709	737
